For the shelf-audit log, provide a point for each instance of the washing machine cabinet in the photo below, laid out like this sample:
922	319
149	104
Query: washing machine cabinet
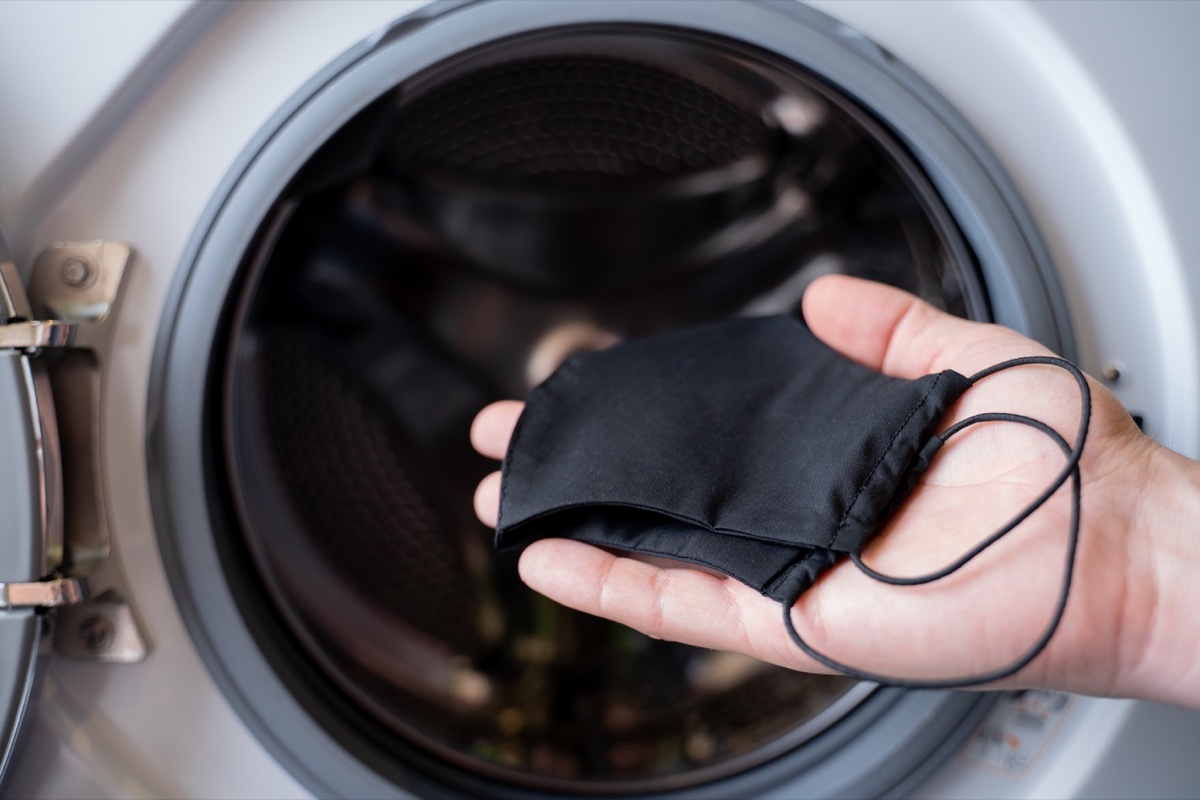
276	255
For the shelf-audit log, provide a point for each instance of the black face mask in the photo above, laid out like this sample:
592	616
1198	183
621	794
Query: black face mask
748	447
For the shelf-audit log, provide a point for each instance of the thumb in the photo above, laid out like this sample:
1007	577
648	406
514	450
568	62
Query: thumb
892	331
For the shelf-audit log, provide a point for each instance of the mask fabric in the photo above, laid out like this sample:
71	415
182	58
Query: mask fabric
747	447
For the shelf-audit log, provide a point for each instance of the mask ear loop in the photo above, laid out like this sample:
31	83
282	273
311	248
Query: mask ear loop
1073	456
1070	470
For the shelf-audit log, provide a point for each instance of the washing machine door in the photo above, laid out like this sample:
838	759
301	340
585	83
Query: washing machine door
54	534
30	535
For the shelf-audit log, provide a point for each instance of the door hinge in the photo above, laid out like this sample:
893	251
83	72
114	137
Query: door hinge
30	336
64	325
41	594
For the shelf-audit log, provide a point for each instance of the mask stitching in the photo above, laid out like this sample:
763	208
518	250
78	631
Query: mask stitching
567	367
785	574
1071	469
871	475
507	470
677	557
696	522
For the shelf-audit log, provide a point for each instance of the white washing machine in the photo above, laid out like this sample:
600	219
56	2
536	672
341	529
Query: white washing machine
265	260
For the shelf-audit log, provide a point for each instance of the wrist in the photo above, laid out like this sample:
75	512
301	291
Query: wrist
1162	640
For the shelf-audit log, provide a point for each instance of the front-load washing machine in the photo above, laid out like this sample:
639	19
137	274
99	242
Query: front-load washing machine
265	261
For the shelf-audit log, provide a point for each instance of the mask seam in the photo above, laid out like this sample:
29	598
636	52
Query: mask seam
785	573
871	475
554	510
507	466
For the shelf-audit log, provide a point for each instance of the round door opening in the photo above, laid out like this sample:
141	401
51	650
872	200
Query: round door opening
449	246
435	222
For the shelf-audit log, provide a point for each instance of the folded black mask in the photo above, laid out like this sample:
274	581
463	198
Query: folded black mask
747	447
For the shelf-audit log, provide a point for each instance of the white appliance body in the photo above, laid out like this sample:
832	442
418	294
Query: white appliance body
122	119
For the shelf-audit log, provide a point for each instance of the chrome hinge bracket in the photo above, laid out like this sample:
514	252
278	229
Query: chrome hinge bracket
30	336
41	594
74	290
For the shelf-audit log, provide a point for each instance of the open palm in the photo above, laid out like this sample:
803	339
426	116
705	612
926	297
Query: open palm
975	620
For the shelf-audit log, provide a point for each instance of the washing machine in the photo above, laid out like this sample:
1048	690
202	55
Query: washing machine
264	261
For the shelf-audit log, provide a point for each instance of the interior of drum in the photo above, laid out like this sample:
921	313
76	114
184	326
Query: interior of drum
448	247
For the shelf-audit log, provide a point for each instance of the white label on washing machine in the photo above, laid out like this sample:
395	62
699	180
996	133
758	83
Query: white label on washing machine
1016	730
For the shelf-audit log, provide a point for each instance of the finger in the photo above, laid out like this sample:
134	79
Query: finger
678	604
493	427
487	500
908	632
892	331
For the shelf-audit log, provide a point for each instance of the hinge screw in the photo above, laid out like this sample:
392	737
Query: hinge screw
77	273
96	633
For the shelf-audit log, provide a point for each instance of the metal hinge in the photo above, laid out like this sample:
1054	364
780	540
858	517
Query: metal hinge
41	594
31	336
64	323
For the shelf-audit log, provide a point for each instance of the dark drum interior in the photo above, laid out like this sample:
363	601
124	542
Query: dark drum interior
449	247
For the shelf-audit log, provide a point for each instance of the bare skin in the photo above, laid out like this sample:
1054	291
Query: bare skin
1130	626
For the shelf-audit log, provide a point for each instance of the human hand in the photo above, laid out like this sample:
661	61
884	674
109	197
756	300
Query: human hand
988	613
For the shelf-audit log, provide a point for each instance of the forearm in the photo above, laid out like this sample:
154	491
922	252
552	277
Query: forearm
1163	643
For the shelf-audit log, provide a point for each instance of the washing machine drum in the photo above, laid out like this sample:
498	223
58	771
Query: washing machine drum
497	193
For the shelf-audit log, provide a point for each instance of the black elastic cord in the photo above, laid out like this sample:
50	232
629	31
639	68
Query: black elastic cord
1073	456
1070	469
1016	520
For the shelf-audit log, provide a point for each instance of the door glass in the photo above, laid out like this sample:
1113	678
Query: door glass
449	247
